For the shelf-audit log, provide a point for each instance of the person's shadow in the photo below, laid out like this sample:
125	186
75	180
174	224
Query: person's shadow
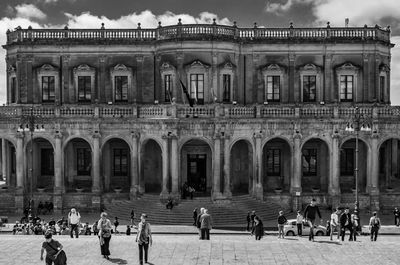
118	261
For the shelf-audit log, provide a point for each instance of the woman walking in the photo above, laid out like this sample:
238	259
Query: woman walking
143	238
104	226
258	229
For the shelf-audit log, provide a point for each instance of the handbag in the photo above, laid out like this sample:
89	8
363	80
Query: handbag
60	257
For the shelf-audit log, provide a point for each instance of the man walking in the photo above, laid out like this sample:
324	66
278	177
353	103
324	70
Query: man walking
374	225
74	219
396	214
345	223
144	238
335	223
206	224
309	214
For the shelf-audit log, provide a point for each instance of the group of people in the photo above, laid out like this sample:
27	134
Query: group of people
187	190
203	221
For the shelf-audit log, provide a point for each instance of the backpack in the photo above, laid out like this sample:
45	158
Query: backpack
376	222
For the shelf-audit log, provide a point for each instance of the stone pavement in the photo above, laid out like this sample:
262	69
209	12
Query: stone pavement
221	249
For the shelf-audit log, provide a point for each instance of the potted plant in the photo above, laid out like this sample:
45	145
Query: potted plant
41	189
278	190
315	189
117	190
79	189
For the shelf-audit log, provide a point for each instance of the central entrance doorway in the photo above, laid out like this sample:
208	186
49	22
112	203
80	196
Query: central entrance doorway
197	171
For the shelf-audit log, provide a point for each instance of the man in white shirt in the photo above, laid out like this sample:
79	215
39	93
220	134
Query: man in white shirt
335	226
74	219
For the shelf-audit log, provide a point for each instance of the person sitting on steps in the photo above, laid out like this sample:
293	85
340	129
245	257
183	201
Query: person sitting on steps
170	204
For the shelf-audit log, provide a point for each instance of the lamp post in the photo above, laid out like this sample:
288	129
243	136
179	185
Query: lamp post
29	124
354	126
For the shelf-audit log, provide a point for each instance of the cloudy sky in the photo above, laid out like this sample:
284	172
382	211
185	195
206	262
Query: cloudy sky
269	13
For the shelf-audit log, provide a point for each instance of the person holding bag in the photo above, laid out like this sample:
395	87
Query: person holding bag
143	238
54	252
104	226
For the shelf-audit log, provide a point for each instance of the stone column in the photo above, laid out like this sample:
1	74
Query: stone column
329	94
58	181
214	80
295	182
4	155
258	172
134	166
395	155
366	94
102	94
216	188
374	173
64	94
165	155
174	167
19	196
227	168
139	79
96	163
181	73
334	186
294	95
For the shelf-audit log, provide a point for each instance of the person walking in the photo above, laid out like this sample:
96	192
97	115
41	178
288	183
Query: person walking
310	214
198	221
396	214
132	217
354	222
299	223
116	224
374	226
206	225
248	219
281	223
54	253
345	223
258	230
104	226
194	216
144	238
252	216
334	223
74	219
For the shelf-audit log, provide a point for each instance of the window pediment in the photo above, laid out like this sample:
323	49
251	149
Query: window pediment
48	69
84	68
197	64
273	69
120	68
310	67
347	67
167	67
227	66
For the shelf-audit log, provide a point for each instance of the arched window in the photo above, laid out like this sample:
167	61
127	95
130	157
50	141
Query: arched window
310	83
84	82
121	79
48	79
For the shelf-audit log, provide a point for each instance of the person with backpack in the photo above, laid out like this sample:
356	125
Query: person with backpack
374	225
144	238
74	219
54	253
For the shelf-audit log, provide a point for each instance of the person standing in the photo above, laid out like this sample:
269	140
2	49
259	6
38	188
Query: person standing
354	222
374	225
281	223
132	217
74	219
194	216
310	214
144	238
258	230
248	219
345	223
206	225
198	221
54	252
396	214
252	216
335	223
299	223
116	224
104	226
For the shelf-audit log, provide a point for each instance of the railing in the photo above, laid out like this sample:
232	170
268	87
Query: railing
221	111
200	31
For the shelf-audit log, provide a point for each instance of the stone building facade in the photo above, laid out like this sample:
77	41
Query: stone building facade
271	107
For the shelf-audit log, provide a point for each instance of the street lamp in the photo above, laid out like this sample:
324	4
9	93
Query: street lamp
359	122
29	123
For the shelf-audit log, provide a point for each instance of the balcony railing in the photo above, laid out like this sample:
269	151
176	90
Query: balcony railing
199	31
180	111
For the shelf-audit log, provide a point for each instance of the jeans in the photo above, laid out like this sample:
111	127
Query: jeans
397	220
374	233
299	229
105	248
145	247
311	224
205	233
74	228
333	229
344	232
280	231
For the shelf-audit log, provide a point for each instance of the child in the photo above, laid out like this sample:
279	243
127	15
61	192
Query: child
128	230
281	223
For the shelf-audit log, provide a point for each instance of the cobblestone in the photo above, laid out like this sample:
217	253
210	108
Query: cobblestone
220	250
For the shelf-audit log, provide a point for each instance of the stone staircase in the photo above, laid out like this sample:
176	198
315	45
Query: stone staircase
224	214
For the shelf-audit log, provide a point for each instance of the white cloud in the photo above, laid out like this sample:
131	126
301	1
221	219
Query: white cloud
279	8
29	11
395	72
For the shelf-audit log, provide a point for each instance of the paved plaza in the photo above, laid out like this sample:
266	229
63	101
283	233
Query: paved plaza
221	249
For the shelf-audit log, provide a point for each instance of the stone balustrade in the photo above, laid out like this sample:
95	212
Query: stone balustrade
223	111
198	31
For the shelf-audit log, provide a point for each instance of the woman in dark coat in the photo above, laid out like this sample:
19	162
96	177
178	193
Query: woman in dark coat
258	229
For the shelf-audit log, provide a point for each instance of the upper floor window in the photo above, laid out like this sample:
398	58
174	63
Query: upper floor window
121	88
84	88
273	82
273	88
309	88
225	83
384	71
347	75
197	88
310	162
310	77
382	87
346	87
122	83
84	77
273	162
48	88
226	88
13	90
167	87
120	162
48	82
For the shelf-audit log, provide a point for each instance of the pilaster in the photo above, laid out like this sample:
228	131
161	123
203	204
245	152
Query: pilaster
19	196
227	167
181	76
216	188
334	176
294	95
165	155
174	166
69	94
96	163
296	177
258	192
134	190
